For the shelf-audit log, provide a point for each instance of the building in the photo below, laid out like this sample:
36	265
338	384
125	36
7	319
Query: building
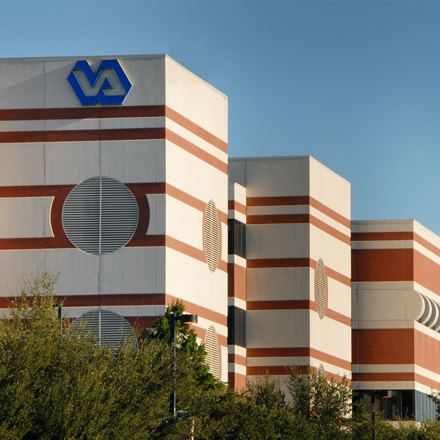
396	314
297	250
125	195
114	173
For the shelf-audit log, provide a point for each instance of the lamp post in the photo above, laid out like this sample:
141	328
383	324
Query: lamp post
59	309
184	319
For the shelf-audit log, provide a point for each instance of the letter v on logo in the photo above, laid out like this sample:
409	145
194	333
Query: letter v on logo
92	78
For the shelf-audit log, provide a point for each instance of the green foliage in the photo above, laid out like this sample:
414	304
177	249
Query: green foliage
324	403
189	352
57	385
259	413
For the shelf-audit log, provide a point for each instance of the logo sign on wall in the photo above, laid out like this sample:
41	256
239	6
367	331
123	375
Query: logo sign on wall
107	69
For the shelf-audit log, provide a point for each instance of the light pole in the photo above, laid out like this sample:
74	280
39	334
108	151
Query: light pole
59	309
184	319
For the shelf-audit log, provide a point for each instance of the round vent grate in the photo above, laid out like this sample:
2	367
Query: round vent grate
211	236
212	352
105	327
320	289
100	215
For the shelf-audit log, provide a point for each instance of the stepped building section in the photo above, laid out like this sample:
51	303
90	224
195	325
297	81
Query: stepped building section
114	172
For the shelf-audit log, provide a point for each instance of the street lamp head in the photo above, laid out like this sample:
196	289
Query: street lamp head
186	318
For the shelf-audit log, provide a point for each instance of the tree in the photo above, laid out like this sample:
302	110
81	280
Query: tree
64	386
189	352
325	404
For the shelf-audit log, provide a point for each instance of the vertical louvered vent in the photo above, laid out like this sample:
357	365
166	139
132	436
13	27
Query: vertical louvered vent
105	327
320	289
100	215
211	236
212	352
321	371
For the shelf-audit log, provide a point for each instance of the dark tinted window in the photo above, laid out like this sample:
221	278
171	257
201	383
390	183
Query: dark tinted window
236	238
236	326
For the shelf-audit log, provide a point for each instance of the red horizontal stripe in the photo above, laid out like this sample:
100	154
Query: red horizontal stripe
192	201
266	219
283	371
433	384
128	299
300	304
196	129
278	201
235	206
298	201
237	382
141	322
396	236
139	239
329	230
145	299
177	245
237	277
297	305
295	219
264	263
35	243
330	212
82	135
138	299
112	135
271	370
337	276
278	352
336	316
204	312
145	241
237	359
35	191
381	236
147	111
384	377
82	113
426	244
197	151
278	262
201	333
298	352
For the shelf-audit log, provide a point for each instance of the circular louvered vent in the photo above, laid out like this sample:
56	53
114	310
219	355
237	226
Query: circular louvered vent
100	215
211	236
212	352
105	327
320	289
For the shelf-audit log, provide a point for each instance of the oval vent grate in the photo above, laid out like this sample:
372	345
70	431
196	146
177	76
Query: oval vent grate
321	371
212	352
100	215
211	236
105	327
320	289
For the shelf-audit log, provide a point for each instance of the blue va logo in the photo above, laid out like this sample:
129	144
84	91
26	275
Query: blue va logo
92	78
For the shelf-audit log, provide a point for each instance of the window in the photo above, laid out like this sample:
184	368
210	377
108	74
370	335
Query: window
236	238
236	326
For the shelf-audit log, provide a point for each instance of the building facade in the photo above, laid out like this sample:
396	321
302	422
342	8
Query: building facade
125	199
115	174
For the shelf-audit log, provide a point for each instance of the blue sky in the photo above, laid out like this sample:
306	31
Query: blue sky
356	84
